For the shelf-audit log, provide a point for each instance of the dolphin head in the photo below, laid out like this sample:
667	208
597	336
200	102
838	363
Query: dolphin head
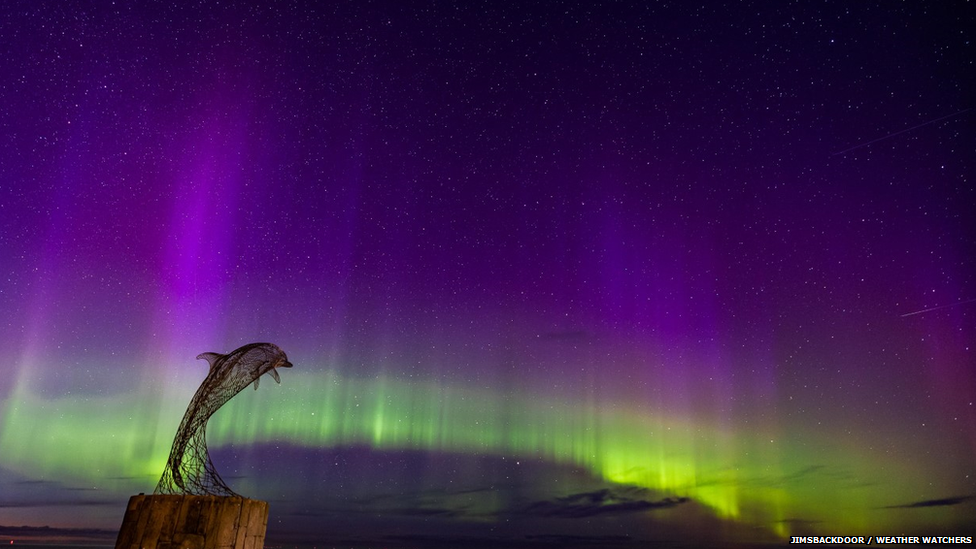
269	357
252	360
280	361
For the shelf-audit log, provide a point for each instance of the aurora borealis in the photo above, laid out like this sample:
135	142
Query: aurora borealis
554	273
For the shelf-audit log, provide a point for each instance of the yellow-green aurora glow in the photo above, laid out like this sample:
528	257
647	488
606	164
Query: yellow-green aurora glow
755	474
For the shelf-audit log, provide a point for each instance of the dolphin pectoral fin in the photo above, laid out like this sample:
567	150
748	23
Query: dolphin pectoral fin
257	381
274	374
211	358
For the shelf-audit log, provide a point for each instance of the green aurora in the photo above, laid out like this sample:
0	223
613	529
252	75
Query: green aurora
762	476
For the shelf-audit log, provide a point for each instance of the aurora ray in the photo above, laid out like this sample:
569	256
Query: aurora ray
586	276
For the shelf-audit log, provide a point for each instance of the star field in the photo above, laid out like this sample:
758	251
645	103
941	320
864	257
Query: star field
623	272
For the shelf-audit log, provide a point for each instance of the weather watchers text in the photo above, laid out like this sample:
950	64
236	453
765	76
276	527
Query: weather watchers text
880	540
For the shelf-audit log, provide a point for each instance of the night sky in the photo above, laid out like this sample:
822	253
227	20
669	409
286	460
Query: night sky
621	273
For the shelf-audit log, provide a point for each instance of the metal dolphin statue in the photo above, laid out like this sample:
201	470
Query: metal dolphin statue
189	469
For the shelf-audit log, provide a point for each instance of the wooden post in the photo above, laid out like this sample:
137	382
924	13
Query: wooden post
193	522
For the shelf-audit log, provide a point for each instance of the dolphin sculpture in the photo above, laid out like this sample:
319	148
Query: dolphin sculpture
189	469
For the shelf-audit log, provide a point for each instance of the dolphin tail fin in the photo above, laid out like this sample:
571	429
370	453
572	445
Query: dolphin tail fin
211	358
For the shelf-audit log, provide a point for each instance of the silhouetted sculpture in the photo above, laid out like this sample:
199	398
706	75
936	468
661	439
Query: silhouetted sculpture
189	469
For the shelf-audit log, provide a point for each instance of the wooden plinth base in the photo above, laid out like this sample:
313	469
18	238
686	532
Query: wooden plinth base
193	522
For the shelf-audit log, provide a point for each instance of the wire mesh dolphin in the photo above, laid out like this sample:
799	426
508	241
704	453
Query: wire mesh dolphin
189	469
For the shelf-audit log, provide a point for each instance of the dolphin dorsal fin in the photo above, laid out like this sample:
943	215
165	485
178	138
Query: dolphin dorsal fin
212	358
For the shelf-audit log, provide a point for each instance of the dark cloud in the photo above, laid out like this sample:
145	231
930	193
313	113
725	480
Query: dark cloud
600	502
781	480
799	522
803	472
428	504
46	533
945	502
33	482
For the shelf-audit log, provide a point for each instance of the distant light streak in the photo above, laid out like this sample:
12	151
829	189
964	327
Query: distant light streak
937	308
901	132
